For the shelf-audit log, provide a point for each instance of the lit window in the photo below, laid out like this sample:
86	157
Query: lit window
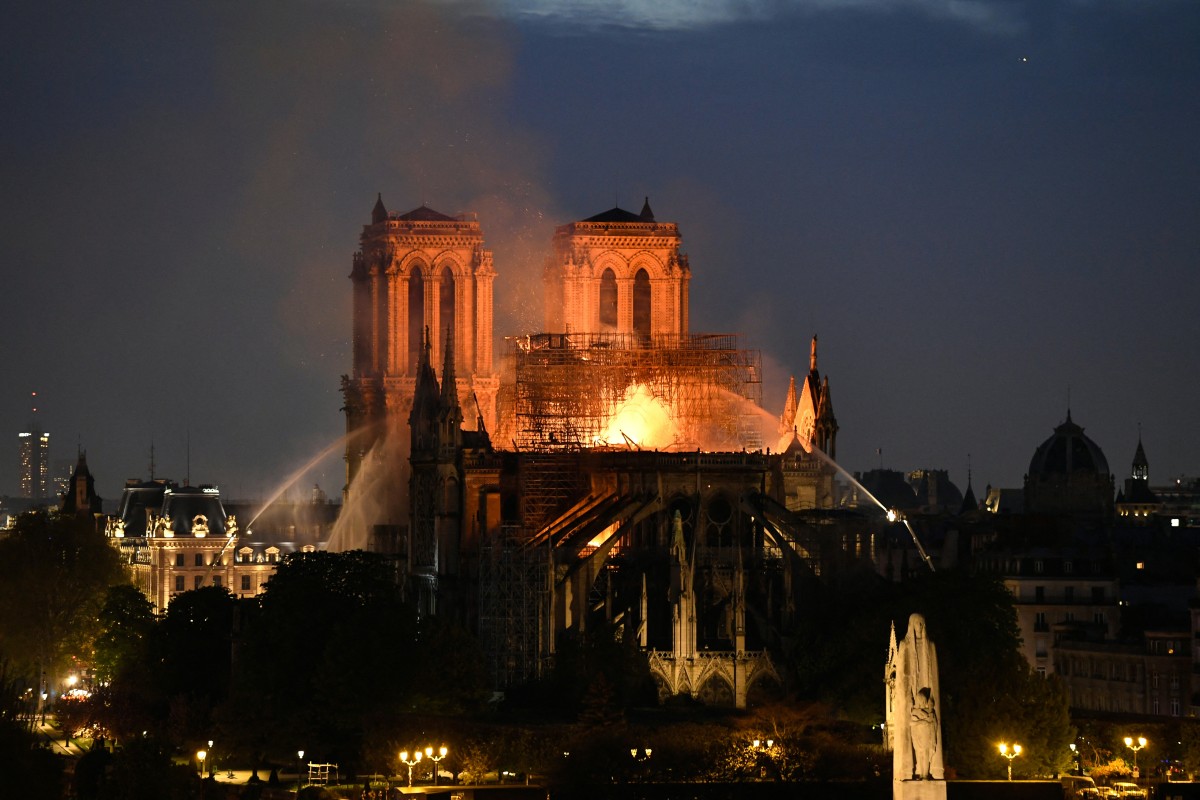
1141	565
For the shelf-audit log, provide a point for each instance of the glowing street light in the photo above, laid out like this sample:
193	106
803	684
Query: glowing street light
200	756
299	758
441	753
416	759
1129	742
1010	753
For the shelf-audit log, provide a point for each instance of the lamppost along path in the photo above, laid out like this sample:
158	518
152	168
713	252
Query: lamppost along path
1010	753
1141	742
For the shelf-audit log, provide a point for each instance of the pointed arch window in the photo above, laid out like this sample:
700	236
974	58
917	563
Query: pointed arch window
608	300
641	302
416	316
446	305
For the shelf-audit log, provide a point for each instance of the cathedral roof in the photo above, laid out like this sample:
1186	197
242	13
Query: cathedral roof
618	214
1068	451
424	213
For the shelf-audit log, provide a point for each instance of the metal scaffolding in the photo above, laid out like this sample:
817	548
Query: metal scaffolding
567	387
514	594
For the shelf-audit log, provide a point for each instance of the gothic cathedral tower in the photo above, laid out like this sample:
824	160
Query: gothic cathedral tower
617	272
416	272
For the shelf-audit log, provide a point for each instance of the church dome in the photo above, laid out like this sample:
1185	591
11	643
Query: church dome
1069	475
1068	452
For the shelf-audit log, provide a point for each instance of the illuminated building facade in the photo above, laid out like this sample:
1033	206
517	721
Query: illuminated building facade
421	279
179	538
618	272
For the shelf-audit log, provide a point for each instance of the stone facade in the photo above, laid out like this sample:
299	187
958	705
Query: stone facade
617	272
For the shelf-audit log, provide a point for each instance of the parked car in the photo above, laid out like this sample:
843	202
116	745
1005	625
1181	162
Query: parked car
1125	789
1079	787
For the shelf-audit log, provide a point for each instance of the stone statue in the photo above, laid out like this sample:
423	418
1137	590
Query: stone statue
916	715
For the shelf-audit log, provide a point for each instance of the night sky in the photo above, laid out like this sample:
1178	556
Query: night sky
986	209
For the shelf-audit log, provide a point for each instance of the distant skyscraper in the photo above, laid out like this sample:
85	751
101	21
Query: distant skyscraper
35	459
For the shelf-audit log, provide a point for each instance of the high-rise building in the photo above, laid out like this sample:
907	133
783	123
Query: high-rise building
34	453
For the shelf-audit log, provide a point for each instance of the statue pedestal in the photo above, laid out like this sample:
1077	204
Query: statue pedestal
918	790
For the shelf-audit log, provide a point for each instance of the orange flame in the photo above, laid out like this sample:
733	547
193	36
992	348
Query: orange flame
642	418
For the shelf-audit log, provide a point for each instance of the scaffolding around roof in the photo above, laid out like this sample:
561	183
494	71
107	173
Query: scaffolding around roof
568	385
514	628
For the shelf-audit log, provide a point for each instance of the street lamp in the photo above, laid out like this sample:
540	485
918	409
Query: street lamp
299	758
200	756
211	765
441	753
1010	753
1129	742
761	747
416	759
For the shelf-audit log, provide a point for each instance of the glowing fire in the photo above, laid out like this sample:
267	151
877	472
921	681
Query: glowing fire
641	418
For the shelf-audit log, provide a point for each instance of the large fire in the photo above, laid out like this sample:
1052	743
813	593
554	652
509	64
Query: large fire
641	419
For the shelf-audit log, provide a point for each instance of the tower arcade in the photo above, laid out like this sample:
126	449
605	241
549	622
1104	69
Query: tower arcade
617	272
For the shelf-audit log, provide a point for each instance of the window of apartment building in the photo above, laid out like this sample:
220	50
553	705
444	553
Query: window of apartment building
1097	594
1174	682
199	559
1154	680
179	559
1040	647
1039	594
245	583
1068	567
1038	567
197	581
1154	708
1174	708
1069	616
179	582
216	580
1039	620
1041	671
1113	669
1132	673
1069	594
1098	617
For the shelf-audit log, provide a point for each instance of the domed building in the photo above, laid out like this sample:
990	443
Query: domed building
1069	475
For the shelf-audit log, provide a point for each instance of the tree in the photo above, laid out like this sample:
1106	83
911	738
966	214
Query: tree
54	572
325	661
126	623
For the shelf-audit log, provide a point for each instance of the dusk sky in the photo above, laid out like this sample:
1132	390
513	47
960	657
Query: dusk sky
982	207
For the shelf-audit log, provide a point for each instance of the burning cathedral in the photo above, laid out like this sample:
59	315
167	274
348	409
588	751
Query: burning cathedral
614	470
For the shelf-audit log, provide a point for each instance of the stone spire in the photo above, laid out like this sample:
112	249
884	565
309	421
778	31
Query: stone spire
812	356
379	212
787	420
647	215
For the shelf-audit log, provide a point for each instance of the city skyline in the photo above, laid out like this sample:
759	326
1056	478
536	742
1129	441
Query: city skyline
986	210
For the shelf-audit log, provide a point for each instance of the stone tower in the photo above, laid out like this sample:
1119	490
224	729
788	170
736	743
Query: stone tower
417	271
617	272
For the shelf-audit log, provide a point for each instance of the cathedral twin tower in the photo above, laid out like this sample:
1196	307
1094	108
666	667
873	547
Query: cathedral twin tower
423	288
423	273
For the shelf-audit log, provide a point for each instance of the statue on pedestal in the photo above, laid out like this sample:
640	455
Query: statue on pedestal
914	710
